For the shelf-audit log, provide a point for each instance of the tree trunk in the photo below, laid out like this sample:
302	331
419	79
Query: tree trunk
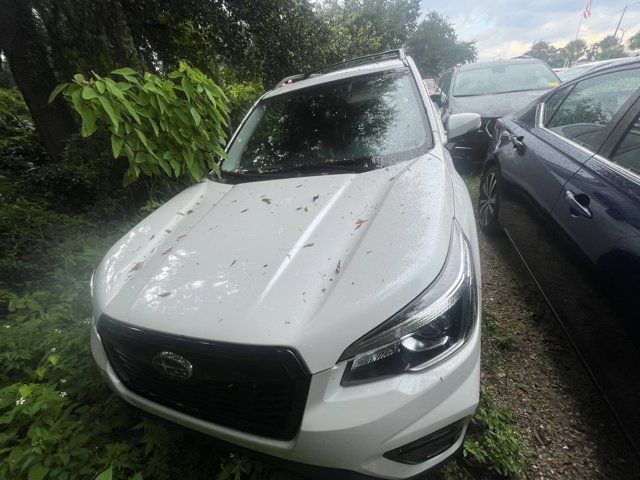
22	45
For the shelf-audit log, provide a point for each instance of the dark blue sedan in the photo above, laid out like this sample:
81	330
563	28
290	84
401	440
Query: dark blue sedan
562	179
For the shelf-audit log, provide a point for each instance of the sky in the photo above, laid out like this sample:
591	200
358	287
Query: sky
507	28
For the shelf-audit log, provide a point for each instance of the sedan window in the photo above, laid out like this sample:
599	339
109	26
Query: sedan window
586	112
627	153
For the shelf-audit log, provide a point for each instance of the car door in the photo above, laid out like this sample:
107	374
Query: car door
597	218
535	164
543	150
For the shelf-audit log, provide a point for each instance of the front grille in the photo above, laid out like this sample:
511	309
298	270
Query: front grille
255	389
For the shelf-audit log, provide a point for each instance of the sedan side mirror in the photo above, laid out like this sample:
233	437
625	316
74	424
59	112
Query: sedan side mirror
460	123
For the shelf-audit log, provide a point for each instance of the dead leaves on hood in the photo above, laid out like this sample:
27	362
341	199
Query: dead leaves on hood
359	223
136	267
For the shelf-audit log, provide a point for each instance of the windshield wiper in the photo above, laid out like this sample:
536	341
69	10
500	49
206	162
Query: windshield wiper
337	166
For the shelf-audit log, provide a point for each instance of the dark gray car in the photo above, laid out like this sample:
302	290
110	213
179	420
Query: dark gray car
491	89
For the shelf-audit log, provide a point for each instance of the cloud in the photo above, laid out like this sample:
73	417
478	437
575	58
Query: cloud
504	29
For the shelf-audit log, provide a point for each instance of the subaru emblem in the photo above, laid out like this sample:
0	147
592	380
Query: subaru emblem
172	365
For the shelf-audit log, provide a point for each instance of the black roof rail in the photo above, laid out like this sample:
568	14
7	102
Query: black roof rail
365	59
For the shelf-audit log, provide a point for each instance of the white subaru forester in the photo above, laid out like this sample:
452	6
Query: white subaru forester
318	302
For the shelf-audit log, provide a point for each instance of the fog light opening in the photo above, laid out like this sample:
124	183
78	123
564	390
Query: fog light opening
427	447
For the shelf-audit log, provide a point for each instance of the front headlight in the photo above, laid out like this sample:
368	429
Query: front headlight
432	327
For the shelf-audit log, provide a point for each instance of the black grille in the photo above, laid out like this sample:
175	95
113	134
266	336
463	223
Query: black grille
255	389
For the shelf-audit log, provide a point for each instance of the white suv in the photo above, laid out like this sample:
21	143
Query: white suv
320	302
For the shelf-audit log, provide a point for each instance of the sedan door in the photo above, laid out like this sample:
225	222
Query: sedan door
535	164
598	223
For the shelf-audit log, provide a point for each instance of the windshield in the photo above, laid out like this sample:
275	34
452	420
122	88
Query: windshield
373	120
513	77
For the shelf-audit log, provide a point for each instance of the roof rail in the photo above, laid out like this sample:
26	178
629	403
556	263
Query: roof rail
365	59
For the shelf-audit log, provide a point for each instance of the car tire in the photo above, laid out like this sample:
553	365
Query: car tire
489	201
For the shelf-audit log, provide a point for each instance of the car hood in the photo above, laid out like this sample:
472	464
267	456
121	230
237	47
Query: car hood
311	263
496	105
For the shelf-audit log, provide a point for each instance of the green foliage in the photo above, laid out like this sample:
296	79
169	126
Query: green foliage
173	125
547	53
634	42
19	141
493	441
14	116
608	48
435	47
572	52
360	27
241	97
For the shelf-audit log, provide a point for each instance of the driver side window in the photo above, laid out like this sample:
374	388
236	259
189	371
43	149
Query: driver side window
586	112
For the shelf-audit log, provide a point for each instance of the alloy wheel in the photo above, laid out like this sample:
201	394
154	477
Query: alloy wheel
488	198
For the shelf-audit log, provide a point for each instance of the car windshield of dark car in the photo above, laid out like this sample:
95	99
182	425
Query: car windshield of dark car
506	78
372	121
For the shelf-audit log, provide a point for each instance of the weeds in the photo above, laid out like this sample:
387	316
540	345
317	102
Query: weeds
493	441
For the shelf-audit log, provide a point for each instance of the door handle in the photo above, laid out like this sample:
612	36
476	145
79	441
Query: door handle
517	141
578	204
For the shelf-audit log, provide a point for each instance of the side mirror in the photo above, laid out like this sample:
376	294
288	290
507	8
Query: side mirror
436	98
460	123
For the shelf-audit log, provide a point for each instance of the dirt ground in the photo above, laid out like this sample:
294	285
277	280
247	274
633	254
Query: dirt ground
568	431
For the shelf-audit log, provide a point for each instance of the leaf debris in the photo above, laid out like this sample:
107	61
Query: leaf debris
136	267
359	223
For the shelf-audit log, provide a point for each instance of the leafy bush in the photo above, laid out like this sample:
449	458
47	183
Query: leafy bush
173	125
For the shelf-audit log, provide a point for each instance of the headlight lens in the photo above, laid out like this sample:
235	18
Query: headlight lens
432	327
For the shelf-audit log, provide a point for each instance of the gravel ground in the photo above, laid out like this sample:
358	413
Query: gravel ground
567	429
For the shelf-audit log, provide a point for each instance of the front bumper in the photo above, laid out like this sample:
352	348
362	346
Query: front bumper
350	429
